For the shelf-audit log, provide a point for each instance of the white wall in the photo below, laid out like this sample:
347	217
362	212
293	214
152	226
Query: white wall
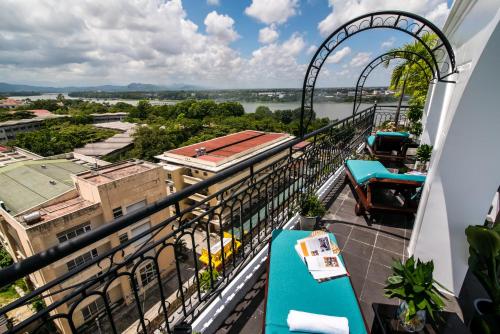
463	124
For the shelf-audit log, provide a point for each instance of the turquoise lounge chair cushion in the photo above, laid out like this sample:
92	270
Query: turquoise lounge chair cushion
371	140
363	170
291	287
393	134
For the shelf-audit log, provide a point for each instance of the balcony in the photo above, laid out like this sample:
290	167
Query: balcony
191	179
169	285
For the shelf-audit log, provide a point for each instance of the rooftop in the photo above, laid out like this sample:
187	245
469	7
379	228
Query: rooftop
219	153
63	208
111	145
116	171
26	184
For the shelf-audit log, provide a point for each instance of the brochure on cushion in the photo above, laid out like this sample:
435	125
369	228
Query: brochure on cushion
291	287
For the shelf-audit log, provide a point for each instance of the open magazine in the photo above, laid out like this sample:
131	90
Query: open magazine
320	256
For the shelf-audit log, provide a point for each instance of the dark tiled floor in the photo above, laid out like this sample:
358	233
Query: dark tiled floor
369	247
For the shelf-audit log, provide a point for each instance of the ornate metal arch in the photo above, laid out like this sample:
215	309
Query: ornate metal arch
413	57
440	50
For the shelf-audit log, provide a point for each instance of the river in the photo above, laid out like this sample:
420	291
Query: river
331	110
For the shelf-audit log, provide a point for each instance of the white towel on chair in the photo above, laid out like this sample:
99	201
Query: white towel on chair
317	323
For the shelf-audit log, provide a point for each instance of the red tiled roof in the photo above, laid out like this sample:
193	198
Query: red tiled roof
4	148
41	112
224	147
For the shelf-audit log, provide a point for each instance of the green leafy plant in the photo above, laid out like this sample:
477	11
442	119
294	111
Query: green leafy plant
414	113
311	206
424	152
205	281
412	282
416	129
5	258
484	259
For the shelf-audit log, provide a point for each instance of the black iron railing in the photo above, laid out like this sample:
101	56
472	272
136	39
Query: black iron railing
158	273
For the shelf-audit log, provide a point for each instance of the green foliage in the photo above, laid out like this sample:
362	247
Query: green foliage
14	115
414	113
416	129
150	141
205	281
55	138
417	81
5	258
413	283
484	259
424	153
311	206
37	304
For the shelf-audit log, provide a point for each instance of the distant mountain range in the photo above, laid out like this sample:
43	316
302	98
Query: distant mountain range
133	87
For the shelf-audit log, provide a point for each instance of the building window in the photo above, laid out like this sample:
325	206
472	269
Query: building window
123	238
196	171
171	188
93	309
139	230
74	232
117	212
82	259
205	173
147	274
169	176
135	206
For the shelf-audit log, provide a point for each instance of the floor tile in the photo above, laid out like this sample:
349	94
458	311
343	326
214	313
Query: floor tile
390	244
373	292
340	229
363	234
358	248
378	273
384	257
356	265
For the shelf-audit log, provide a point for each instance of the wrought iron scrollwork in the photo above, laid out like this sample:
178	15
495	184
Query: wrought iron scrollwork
439	50
413	57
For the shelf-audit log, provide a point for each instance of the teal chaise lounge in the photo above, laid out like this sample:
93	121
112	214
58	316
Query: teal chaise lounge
377	189
290	286
390	146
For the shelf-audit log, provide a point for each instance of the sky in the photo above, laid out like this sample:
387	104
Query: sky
209	43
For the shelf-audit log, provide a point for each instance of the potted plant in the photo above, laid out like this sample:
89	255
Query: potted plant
424	153
311	210
484	262
412	282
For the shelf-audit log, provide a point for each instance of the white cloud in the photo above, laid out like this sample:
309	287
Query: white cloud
345	10
221	26
339	55
272	11
274	62
311	50
388	43
360	59
121	41
343	73
268	35
213	2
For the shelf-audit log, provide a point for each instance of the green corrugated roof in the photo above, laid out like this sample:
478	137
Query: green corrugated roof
26	184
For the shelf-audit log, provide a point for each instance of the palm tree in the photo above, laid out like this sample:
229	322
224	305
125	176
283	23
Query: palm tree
407	76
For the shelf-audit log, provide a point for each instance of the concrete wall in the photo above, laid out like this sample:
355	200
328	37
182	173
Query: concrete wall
463	125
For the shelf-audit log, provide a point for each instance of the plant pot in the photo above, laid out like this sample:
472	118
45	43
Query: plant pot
308	223
484	319
414	325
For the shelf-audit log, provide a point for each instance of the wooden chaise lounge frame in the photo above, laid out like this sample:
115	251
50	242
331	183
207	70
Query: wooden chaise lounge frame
364	194
404	143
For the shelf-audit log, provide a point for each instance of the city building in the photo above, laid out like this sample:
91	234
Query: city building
191	164
9	155
46	202
10	103
114	145
109	117
9	129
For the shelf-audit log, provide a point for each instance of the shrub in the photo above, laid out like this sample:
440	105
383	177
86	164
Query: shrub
311	206
424	153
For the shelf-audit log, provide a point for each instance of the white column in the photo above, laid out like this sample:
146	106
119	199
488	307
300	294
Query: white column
465	170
